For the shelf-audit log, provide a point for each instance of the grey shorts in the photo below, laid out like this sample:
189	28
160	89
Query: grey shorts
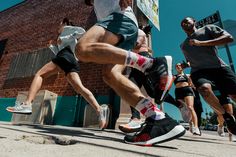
121	25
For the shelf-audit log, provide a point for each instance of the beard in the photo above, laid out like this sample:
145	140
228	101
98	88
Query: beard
188	27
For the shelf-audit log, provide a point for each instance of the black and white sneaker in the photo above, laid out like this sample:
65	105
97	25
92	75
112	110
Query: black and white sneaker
230	122
156	131
159	77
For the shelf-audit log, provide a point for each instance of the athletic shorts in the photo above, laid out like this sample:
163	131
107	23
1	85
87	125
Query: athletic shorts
65	59
223	98
121	25
223	78
182	92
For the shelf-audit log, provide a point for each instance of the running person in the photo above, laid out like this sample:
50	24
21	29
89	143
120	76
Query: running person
109	42
185	93
66	61
199	48
140	80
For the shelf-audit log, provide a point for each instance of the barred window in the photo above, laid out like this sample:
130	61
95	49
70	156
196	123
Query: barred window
27	64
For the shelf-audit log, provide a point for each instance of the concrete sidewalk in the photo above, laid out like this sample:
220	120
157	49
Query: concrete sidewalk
58	141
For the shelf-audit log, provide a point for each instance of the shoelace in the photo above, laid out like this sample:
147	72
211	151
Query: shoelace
18	105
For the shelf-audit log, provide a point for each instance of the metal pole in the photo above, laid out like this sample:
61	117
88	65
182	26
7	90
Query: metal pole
226	46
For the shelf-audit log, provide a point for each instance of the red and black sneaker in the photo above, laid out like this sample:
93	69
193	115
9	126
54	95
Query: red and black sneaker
156	131
159	77
230	122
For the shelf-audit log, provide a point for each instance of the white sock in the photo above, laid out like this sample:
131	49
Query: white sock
148	109
137	61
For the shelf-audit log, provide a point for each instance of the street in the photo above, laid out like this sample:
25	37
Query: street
58	141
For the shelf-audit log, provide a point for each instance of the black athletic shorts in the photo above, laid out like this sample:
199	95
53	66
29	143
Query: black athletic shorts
223	78
181	93
65	59
223	98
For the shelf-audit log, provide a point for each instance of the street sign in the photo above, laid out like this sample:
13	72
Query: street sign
150	10
214	18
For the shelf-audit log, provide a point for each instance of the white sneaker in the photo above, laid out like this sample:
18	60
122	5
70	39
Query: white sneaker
134	125
220	131
196	131
104	116
20	108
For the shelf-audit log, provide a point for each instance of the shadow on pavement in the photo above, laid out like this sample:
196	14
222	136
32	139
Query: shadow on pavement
43	130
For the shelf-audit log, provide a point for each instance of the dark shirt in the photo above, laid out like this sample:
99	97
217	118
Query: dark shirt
181	78
203	57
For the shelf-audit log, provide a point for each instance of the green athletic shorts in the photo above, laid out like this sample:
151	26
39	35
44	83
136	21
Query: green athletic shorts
121	25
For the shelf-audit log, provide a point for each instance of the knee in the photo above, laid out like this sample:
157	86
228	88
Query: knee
83	50
107	75
39	74
205	90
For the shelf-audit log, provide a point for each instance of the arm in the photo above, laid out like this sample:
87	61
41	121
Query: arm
71	37
222	40
190	82
218	37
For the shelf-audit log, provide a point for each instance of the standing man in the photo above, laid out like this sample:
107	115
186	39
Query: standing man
109	42
200	50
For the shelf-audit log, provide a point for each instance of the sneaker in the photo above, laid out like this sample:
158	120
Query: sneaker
220	131
159	77
186	114
132	126
20	108
230	122
156	131
104	116
196	131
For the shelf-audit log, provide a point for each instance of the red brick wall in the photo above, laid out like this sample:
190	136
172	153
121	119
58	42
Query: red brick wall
28	27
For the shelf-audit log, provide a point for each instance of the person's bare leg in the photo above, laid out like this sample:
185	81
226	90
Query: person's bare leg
189	100
97	45
75	81
206	91
46	71
125	88
220	120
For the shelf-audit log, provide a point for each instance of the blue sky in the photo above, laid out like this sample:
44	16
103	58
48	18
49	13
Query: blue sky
4	4
167	40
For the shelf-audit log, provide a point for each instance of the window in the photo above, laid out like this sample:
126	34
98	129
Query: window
27	64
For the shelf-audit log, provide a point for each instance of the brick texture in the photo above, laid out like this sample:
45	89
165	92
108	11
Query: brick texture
29	26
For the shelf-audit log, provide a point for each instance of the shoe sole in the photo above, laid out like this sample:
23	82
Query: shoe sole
175	133
170	77
17	112
131	130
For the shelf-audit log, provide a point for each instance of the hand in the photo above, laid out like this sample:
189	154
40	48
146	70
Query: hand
50	42
194	42
58	41
125	3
